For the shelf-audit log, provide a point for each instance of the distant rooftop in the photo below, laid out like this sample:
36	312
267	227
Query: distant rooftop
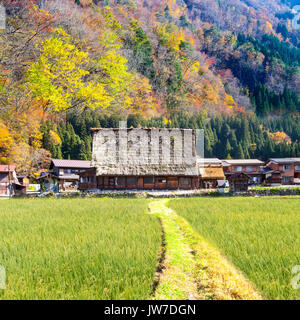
284	160
209	160
7	168
74	164
242	162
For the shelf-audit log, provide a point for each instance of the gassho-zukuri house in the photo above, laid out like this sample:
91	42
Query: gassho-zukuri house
149	159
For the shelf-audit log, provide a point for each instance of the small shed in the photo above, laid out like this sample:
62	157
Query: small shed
210	175
239	182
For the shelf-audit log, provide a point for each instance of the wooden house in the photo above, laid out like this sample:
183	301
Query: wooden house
239	182
284	171
65	173
138	171
251	167
9	183
210	173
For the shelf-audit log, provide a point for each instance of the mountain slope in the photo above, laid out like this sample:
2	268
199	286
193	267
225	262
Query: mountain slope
227	66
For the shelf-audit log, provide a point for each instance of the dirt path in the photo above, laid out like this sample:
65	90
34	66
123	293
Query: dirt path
192	268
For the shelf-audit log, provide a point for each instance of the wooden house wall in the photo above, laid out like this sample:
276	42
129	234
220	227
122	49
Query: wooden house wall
239	185
88	185
141	183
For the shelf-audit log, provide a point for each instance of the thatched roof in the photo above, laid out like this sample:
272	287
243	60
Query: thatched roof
212	173
140	164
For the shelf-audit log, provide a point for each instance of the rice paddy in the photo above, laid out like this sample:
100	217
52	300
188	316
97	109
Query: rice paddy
260	236
78	248
108	248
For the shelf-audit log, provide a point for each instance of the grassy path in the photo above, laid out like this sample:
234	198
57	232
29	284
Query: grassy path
177	278
192	268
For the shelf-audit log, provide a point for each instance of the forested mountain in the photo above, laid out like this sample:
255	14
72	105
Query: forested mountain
230	67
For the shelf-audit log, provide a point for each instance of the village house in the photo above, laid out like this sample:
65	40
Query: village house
251	167
67	173
284	171
211	174
9	183
64	175
115	167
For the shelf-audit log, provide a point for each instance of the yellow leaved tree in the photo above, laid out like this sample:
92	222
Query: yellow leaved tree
6	143
59	76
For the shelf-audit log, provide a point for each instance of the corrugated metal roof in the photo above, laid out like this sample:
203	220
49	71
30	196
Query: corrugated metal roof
283	160
76	164
242	162
69	177
209	160
7	168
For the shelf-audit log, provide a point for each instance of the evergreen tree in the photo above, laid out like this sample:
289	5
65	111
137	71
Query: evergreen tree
240	152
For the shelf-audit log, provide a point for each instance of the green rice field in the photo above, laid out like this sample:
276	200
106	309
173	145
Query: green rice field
78	248
261	236
108	248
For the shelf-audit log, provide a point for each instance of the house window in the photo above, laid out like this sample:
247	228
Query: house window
121	181
111	181
238	169
249	169
162	180
256	179
131	181
286	167
185	181
148	180
297	168
286	179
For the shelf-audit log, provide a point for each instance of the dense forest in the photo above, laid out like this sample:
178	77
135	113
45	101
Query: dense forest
226	137
229	67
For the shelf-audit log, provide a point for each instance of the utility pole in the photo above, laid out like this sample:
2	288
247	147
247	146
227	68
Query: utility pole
9	182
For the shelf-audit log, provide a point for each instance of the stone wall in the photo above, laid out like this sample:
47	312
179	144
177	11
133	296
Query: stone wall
275	192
